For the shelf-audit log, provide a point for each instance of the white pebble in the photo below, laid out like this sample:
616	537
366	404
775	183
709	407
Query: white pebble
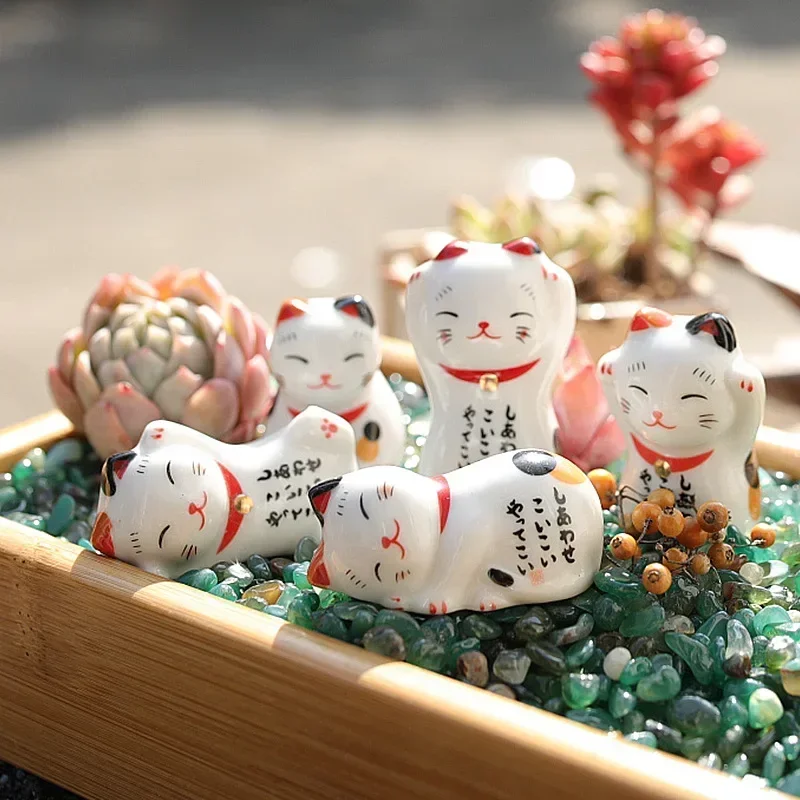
616	661
794	614
752	572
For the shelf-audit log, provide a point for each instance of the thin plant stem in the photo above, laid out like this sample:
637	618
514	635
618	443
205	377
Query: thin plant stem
651	265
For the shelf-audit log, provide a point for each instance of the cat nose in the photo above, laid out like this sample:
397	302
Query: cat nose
326	376
483	325
657	415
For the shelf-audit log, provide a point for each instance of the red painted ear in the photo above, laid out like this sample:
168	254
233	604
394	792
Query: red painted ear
320	502
317	571
523	247
102	538
648	317
451	250
710	327
291	309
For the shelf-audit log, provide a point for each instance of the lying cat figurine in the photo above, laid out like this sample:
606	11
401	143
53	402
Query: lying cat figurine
181	500
521	527
327	352
685	397
491	325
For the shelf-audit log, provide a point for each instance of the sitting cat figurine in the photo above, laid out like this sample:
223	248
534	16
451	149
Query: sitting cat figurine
181	500
491	325
690	407
521	527
327	352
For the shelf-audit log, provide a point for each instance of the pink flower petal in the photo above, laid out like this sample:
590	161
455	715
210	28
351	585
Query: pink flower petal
96	316
213	409
65	398
174	391
83	380
134	410
240	324
104	430
66	353
228	359
263	336
210	325
200	287
256	399
245	431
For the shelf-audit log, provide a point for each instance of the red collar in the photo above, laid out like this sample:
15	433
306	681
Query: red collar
503	375
443	495
676	464
234	517
350	416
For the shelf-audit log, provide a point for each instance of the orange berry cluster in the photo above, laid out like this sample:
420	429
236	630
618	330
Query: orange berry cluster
659	516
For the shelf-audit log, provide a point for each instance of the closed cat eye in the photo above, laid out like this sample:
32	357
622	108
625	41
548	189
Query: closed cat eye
446	314
690	396
297	358
353	355
638	388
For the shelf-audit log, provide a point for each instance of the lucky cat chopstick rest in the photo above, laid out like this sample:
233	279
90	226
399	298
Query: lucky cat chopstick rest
490	325
521	527
181	500
690	406
327	352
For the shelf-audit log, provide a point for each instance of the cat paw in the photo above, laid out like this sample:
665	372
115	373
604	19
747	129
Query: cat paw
489	606
437	609
747	386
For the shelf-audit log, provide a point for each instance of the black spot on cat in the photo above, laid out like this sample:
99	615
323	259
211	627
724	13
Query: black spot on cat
751	471
534	462
372	431
357	306
500	578
718	326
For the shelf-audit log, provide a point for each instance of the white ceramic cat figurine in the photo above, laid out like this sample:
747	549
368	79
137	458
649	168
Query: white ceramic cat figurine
181	500
521	527
490	324
327	352
690	406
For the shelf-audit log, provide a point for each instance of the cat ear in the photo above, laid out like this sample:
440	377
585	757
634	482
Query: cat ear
112	471
523	247
320	496
718	326
161	433
291	309
648	317
451	250
356	306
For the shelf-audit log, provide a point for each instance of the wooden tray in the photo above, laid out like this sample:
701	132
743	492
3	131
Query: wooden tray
117	684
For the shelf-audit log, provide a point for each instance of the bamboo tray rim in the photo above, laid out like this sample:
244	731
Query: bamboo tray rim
568	758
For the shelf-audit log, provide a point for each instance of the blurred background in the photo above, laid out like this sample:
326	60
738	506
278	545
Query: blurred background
231	136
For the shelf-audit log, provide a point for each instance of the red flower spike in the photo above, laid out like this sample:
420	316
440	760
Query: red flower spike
451	250
523	247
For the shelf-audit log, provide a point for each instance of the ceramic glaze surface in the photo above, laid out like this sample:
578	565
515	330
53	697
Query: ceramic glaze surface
685	396
521	527
181	500
490	325
326	352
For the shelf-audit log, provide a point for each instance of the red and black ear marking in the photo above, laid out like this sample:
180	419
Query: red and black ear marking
290	309
716	325
113	470
356	306
523	247
451	250
320	495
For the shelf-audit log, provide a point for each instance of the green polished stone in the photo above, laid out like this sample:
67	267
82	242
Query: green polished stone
633	722
769	617
455	648
473	668
77	530
643	737
708	604
760	645
621	702
715	625
62	514
659	686
669	739
731	741
225	591
677	623
694	715
774	764
10	500
620	584
536	623
547	657
748	592
22	472
300	576
481	627
660	660
348	610
739	650
742	687
288	595
580	690
791	746
64	452
563	614
298	612
764	708
593	717
328	623
790	629
694	654
635	670
780	650
511	666
645	622
203	579
304	550
574	633
682	596
441	628
790	784
385	641
733	711
587	600
259	566
427	653
256	603
239	574
579	653
328	598
402	622
362	620
608	613
692	747
710	761
739	765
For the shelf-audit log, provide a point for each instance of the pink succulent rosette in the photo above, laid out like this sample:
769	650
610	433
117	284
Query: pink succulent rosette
177	348
588	434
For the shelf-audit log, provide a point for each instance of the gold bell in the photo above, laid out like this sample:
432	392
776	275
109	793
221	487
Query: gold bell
663	469
489	382
243	503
